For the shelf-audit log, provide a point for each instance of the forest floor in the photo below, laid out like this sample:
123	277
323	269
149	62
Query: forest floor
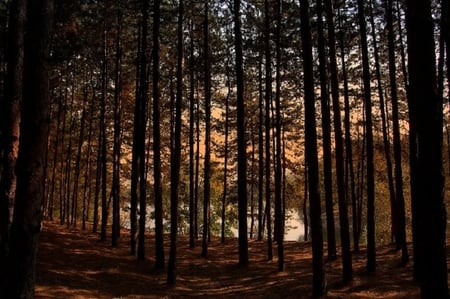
75	264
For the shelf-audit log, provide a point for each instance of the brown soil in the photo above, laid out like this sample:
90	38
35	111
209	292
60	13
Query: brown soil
74	264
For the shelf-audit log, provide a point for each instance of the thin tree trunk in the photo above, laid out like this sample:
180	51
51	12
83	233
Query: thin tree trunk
400	201
241	138
225	166
371	250
326	135
135	157
192	212
78	161
115	231
347	272
268	100
176	153
305	204
260	153
103	159
278	169
159	238
207	163
386	141
87	174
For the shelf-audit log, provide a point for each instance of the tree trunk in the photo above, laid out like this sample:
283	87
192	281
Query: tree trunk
260	152
241	138
384	129
78	161
191	142
225	166
159	238
326	135
371	251
104	205
319	281
207	163
115	231
135	154
176	153
10	114
268	100
426	110
347	272
350	172
278	168
400	201
33	146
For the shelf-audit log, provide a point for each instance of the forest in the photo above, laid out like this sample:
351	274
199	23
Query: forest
282	148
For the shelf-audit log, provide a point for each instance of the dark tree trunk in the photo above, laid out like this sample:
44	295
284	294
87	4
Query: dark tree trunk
426	110
400	200
260	152
135	156
176	153
371	251
191	142
326	135
142	121
87	174
78	161
347	272
115	190
350	172
10	130
104	221
305	204
241	138
225	166
159	238
207	163
68	166
33	146
319	281
384	129
268	100
279	219
55	158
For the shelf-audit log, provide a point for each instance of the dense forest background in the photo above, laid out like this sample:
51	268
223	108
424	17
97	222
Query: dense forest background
225	119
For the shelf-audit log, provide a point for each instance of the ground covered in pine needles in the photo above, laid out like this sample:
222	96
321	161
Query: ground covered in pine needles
75	264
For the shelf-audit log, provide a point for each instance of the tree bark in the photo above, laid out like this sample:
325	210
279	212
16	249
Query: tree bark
32	151
347	272
176	153
10	114
207	163
426	110
371	250
159	238
241	138
319	281
326	135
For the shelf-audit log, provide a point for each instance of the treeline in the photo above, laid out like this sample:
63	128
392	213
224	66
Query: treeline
212	115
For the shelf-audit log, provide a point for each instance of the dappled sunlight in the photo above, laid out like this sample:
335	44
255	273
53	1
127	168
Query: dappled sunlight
74	264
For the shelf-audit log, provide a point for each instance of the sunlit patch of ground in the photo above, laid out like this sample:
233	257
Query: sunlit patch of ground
74	264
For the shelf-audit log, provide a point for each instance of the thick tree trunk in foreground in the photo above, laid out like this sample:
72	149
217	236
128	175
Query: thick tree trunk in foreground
10	114
32	151
426	110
